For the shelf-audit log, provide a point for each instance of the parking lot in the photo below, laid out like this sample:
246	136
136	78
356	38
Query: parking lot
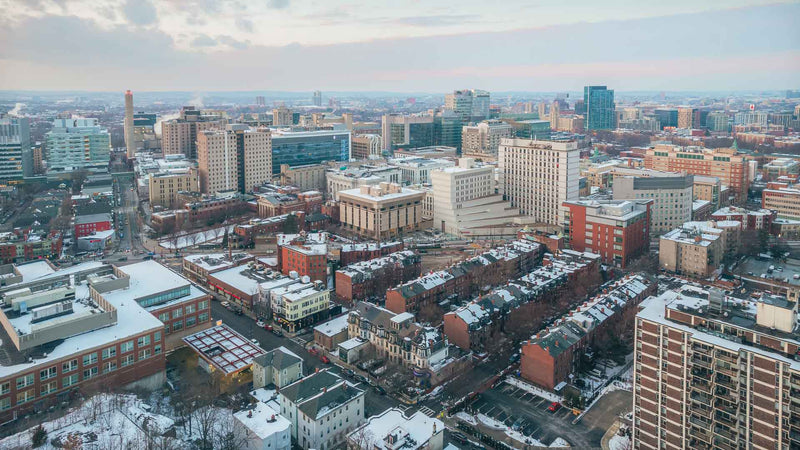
509	404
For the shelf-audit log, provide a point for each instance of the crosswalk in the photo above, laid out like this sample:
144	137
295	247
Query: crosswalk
427	411
300	341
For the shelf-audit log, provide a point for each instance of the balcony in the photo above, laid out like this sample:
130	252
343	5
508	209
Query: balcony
724	432
699	362
700	434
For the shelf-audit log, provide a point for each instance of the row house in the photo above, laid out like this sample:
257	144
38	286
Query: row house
353	253
368	279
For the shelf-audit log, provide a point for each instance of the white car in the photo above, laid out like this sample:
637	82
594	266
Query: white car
225	304
260	324
255	341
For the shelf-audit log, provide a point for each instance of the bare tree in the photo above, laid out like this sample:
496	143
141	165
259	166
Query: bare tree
228	436
206	419
362	438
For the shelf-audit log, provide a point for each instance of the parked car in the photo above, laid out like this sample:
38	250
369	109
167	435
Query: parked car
325	360
349	373
225	304
459	437
260	324
360	378
380	390
313	351
277	332
555	406
255	341
268	327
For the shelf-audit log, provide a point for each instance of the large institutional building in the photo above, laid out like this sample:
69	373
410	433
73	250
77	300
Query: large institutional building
217	161
539	176
483	140
716	371
381	211
75	144
179	136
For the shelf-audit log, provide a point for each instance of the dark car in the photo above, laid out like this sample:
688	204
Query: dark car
360	378
380	390
277	332
459	437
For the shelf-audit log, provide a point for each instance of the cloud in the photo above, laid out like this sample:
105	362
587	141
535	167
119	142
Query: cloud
233	43
140	12
244	24
434	21
277	4
203	40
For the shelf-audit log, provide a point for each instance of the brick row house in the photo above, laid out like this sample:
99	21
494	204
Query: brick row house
353	253
371	278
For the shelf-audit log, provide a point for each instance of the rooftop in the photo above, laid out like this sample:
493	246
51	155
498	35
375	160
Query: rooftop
216	261
392	430
224	348
263	418
333	326
279	358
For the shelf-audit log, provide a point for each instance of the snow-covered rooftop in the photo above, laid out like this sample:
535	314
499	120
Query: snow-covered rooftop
392	430
333	326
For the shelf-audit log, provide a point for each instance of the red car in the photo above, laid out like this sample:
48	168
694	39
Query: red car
555	406
325	359
268	327
313	351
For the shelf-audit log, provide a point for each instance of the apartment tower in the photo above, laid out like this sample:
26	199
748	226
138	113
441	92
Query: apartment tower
130	148
217	161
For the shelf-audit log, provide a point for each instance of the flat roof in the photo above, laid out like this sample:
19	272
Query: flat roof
224	348
33	270
333	326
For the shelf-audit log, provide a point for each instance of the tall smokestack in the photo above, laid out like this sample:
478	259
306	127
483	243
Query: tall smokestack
130	149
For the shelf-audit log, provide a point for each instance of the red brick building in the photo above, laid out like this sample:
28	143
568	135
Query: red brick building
617	230
519	305
466	278
353	253
550	356
553	243
88	224
15	248
751	220
304	253
275	204
247	232
366	279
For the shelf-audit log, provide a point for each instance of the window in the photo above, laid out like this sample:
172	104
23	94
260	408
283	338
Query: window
49	387
69	366
202	305
190	309
177	325
177	313
164	317
25	396
24	381
90	359
202	317
190	321
157	349
69	381
109	367
126	347
5	403
109	352
144	354
5	388
157	336
127	361
48	373
89	373
143	341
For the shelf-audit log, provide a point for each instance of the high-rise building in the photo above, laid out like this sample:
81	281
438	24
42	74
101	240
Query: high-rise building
668	117
144	133
130	147
727	164
714	370
465	202
539	176
260	100
282	117
74	144
718	121
686	118
317	100
179	136
254	156
447	129
469	105
599	102
555	114
16	156
617	230
483	140
366	146
671	195
399	130
300	148
217	161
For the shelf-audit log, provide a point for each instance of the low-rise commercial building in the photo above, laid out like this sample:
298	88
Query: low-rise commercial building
300	305
197	267
85	225
304	254
330	334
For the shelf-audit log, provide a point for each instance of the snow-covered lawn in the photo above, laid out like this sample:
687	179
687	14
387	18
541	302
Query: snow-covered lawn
491	423
618	442
559	442
539	392
190	240
466	418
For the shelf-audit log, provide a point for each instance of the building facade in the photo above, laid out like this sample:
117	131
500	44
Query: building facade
381	211
371	278
599	103
483	140
16	157
672	198
399	130
75	144
367	146
217	161
179	136
301	148
163	188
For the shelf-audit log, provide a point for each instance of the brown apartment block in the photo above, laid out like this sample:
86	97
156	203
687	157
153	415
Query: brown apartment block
716	372
366	279
521	305
464	279
353	253
549	357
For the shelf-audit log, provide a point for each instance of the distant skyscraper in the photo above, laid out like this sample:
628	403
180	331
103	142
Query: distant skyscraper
317	98
179	136
130	147
599	103
668	117
260	100
405	131
253	155
686	118
555	113
282	117
469	105
75	144
16	159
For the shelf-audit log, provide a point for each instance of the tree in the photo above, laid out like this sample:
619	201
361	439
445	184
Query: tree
362	438
39	436
227	435
225	238
73	442
290	225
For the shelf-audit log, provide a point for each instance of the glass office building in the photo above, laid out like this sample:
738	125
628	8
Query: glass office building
447	130
668	117
599	103
299	148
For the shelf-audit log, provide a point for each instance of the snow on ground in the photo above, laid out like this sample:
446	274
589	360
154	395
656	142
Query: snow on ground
103	421
491	423
466	418
201	237
559	443
525	439
618	442
539	392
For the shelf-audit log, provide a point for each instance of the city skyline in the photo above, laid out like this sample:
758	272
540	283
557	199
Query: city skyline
170	46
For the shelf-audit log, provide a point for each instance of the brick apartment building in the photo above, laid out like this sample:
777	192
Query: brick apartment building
276	204
464	279
353	253
14	248
306	254
367	279
715	371
617	230
248	232
549	357
518	303
98	338
761	219
88	224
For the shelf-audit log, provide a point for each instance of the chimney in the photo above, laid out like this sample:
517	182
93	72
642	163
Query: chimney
250	414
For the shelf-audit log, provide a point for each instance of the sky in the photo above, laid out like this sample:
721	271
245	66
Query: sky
399	46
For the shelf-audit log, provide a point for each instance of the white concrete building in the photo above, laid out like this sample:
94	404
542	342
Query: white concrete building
465	199
483	140
322	409
391	430
672	198
355	177
538	176
418	170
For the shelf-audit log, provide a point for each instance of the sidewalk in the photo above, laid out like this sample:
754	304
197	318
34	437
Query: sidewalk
609	434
